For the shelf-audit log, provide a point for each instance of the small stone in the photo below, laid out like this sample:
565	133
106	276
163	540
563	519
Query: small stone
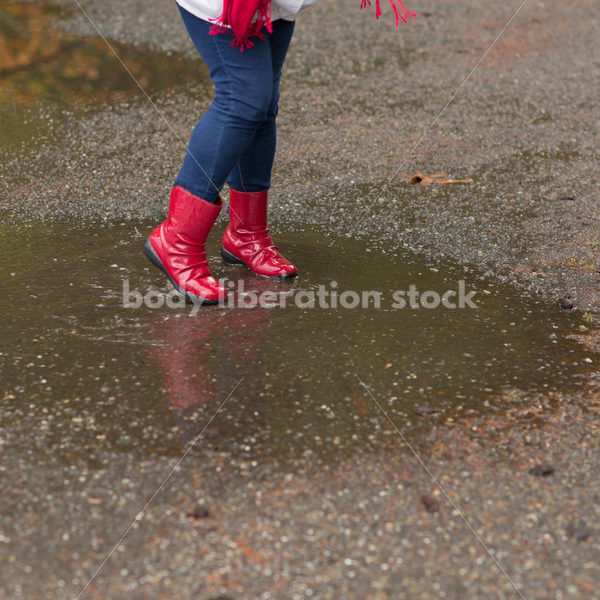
200	512
565	302
541	470
425	409
578	530
430	503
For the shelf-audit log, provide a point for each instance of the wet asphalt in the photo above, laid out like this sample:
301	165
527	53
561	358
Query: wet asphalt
518	514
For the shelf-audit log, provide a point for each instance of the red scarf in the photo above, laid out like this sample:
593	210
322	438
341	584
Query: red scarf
238	15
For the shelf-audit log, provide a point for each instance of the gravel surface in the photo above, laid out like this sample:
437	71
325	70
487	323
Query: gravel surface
357	98
374	526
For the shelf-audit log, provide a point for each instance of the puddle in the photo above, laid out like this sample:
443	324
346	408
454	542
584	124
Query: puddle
88	375
45	71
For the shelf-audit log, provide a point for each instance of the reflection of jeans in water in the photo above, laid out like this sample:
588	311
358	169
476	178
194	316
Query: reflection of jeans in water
234	141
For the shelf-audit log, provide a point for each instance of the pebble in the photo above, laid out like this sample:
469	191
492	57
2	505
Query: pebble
541	470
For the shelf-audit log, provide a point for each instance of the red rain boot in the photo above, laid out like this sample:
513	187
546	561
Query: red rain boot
177	247
247	241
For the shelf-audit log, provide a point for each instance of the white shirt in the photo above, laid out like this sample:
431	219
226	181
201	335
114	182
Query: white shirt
212	9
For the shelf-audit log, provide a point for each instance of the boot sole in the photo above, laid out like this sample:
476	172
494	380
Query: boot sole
231	259
155	260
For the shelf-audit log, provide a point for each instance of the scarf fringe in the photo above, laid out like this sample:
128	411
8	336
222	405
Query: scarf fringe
243	41
400	11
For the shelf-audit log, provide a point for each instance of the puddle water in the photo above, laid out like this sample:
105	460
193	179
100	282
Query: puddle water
44	71
87	374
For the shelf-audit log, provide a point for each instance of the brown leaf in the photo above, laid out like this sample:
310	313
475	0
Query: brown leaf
419	178
523	269
454	181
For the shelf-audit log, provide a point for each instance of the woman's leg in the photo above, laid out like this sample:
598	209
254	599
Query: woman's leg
252	173
243	103
244	94
246	240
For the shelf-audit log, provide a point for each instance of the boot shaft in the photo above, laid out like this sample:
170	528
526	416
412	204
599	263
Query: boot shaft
248	210
191	216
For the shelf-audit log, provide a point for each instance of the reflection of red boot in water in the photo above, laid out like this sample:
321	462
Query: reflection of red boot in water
202	359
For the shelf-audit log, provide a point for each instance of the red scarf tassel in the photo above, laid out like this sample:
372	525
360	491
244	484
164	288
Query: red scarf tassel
238	19
400	11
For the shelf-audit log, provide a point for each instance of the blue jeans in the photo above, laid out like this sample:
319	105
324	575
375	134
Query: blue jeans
235	139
